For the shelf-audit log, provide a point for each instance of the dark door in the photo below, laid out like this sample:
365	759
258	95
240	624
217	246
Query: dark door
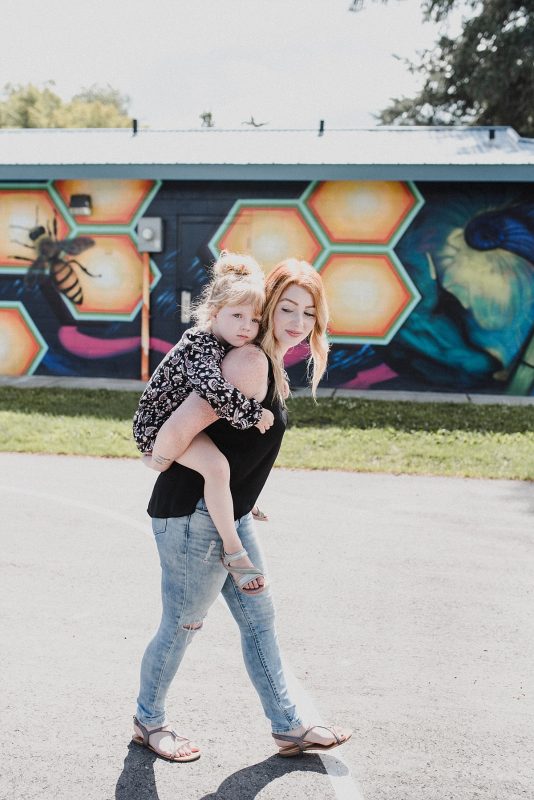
193	260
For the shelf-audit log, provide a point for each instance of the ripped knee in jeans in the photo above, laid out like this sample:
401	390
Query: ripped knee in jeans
192	626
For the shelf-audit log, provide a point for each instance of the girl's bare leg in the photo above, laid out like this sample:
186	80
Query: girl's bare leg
204	457
177	433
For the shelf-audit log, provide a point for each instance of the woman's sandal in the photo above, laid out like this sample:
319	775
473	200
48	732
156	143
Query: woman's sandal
246	574
179	741
259	515
299	743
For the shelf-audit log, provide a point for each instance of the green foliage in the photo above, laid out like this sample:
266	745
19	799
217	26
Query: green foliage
483	77
33	107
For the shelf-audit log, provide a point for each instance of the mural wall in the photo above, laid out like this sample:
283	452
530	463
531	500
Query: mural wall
431	285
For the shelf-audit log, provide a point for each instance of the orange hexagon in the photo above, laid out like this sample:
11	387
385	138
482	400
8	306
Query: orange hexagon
366	294
270	234
20	211
18	344
115	283
361	211
114	201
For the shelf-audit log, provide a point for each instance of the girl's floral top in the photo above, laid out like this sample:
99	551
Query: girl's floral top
193	365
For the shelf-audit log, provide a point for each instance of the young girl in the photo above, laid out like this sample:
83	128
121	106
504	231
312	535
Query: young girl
227	315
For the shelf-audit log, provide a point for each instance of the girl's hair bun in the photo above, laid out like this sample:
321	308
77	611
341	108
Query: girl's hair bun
236	264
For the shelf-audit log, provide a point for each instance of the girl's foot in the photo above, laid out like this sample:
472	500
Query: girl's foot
311	737
165	742
245	561
259	515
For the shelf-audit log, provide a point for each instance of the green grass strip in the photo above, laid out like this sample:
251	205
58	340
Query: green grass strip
485	441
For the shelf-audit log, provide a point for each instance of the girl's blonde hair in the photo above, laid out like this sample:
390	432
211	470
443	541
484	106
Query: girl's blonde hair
295	273
235	280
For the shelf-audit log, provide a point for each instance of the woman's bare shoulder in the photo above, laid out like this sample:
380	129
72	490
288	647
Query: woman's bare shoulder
247	368
249	355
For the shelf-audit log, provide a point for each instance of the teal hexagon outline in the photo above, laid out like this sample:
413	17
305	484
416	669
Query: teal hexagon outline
107	316
10	269
112	230
102	226
25	314
400	270
270	203
395	236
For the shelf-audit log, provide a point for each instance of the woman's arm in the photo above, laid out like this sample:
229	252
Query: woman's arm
247	369
244	367
202	363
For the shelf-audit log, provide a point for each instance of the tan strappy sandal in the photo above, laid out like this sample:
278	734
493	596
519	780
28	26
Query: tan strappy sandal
298	744
259	515
178	741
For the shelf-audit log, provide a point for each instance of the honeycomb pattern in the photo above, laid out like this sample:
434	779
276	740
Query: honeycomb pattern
114	201
117	205
367	294
366	212
21	345
348	231
268	232
20	211
117	286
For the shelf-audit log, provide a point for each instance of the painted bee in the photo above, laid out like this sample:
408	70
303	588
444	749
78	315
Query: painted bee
51	263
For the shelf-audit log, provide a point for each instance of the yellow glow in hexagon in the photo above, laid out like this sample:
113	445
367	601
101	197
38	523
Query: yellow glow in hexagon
118	268
114	201
18	346
270	234
365	294
361	211
20	211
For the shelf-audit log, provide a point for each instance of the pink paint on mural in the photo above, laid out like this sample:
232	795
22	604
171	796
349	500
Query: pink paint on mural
297	354
84	346
369	377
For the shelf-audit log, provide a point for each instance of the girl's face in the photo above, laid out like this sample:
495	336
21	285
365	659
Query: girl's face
294	317
236	325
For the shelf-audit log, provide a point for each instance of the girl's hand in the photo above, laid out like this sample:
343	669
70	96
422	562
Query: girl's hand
266	421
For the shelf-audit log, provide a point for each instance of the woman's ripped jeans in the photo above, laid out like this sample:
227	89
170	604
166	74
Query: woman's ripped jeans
192	577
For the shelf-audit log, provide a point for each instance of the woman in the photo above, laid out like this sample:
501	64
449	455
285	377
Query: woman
192	571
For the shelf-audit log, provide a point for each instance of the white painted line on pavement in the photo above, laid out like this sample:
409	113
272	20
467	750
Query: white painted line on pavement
107	512
344	784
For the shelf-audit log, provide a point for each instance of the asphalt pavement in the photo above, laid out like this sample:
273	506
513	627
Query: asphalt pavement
405	610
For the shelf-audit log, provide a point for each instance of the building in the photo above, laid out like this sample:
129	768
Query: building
424	238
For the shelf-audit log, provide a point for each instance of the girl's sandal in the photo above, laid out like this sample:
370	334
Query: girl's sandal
299	743
246	574
258	515
179	741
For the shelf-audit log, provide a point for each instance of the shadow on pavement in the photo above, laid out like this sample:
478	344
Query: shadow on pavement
247	783
137	780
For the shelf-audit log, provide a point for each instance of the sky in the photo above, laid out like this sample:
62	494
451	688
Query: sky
288	63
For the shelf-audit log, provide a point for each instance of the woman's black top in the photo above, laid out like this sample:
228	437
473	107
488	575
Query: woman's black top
251	456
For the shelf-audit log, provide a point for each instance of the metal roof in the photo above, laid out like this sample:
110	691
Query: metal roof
402	152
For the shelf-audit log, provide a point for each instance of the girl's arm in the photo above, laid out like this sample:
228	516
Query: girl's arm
247	369
203	370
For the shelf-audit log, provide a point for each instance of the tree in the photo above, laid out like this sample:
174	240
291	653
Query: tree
33	107
483	77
